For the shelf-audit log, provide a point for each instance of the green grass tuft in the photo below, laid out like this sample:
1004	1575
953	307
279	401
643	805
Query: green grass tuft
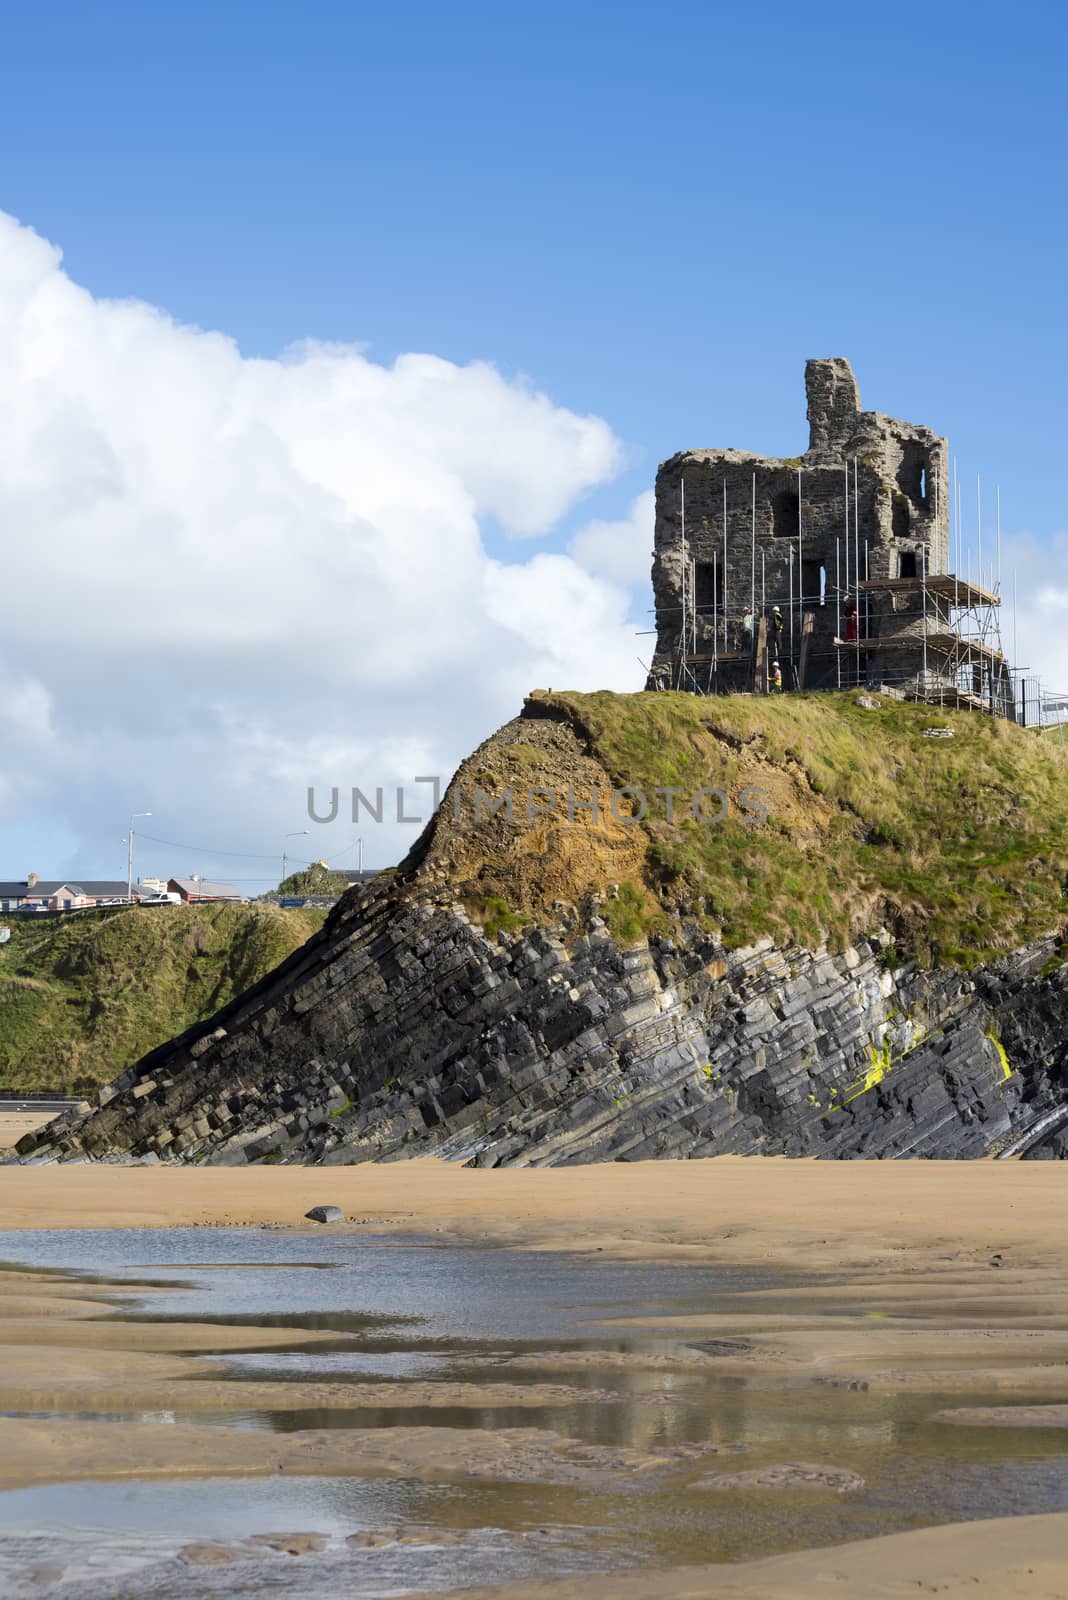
495	915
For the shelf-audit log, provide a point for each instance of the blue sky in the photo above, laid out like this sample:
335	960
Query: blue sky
655	214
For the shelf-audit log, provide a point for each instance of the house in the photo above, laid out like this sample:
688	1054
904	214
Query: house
34	894
42	896
37	894
195	890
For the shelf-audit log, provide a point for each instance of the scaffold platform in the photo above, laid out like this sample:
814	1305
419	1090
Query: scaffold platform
943	585
944	644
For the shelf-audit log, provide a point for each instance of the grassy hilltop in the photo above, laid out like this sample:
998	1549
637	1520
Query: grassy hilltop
82	997
958	844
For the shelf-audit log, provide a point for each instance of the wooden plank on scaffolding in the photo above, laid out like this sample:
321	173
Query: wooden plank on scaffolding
942	644
808	622
959	591
760	677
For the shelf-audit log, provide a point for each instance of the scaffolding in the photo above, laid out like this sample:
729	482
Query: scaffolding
953	627
939	642
930	637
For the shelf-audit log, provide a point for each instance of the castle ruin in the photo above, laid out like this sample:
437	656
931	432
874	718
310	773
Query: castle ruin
828	570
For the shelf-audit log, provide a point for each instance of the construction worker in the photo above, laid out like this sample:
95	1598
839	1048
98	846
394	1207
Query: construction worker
747	625
776	678
850	620
776	623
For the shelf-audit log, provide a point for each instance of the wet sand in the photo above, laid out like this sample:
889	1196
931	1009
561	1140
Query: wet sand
810	1214
152	1392
38	1451
1012	1558
948	1276
933	1277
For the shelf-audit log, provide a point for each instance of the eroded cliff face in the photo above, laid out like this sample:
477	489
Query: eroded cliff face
418	1022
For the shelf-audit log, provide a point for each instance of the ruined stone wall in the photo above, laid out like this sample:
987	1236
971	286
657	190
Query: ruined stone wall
884	480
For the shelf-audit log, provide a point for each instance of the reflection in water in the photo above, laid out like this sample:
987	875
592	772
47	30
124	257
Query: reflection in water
411	1310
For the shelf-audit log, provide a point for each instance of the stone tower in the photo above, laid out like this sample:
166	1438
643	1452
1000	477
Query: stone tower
861	519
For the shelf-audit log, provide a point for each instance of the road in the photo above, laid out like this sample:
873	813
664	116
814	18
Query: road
10	1104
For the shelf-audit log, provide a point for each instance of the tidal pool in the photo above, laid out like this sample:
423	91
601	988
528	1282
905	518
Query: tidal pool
401	1310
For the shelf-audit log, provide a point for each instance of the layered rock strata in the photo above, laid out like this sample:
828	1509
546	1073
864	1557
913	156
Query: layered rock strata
402	1029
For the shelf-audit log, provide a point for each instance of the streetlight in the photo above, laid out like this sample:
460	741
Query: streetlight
129	852
298	833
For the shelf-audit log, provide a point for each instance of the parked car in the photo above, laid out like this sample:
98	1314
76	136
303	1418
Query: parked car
166	898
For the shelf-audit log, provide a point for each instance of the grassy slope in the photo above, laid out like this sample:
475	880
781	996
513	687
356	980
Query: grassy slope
82	997
960	845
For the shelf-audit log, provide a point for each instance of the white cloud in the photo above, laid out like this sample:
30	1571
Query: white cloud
1037	631
25	708
620	551
26	733
227	578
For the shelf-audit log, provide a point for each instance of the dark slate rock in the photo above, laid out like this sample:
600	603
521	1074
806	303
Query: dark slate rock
380	1049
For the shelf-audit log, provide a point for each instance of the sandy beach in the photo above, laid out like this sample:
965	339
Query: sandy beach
13	1124
930	1277
1006	1558
861	1214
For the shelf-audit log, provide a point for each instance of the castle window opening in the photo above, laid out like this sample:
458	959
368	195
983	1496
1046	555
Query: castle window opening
900	518
912	474
813	583
708	586
907	564
785	515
